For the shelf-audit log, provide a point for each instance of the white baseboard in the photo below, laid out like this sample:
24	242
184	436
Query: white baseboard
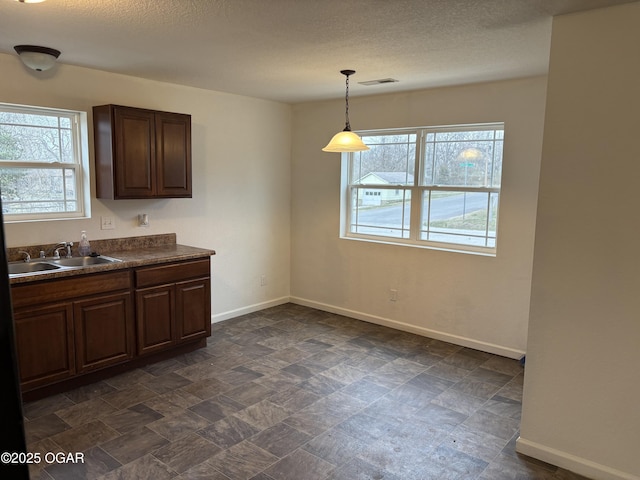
219	317
570	462
425	332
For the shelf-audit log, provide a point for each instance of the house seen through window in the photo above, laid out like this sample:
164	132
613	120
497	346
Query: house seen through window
433	187
43	163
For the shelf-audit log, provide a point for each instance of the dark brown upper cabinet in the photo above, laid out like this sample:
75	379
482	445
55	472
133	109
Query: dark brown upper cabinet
141	153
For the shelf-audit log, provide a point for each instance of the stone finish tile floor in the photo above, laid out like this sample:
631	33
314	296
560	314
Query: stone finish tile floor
293	393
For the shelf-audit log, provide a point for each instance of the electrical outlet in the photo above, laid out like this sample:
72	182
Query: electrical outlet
263	280
393	294
143	220
107	223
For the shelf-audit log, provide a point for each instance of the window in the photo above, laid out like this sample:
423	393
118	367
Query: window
433	187
44	172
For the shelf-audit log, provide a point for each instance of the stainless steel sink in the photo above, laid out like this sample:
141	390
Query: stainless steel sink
45	265
16	268
84	261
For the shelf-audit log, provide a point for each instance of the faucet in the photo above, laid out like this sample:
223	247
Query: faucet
56	250
27	257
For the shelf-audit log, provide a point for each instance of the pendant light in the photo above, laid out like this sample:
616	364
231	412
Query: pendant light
346	140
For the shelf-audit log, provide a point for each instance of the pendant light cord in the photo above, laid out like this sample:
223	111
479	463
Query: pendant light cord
347	126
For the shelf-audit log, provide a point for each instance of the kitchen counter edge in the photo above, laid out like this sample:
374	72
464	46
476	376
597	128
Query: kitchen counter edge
130	259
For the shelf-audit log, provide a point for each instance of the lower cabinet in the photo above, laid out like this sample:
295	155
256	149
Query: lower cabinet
77	325
45	344
193	309
155	318
173	305
103	331
56	341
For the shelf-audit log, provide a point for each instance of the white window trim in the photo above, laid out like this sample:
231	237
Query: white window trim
81	152
416	196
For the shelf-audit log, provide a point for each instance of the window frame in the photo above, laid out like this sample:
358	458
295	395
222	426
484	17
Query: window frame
416	191
80	165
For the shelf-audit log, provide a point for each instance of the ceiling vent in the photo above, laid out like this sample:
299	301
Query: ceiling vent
378	82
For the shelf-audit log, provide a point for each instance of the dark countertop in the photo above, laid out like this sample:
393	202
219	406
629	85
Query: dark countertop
134	252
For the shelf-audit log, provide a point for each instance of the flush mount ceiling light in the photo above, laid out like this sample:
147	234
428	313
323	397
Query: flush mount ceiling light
346	140
37	58
30	1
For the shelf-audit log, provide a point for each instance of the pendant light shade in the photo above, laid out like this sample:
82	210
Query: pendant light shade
346	140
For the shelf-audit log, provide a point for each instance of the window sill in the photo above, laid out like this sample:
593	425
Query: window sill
451	248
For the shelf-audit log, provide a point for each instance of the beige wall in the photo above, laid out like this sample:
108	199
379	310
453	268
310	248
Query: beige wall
472	300
582	383
241	166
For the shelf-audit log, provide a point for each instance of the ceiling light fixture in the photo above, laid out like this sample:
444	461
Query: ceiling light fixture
346	140
30	1
37	58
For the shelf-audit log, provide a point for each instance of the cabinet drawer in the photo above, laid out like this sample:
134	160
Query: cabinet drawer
69	288
171	273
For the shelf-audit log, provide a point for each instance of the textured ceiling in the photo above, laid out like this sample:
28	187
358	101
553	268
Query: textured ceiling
293	50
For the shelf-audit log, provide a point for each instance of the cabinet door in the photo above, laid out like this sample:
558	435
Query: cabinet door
155	316
193	309
173	154
103	331
135	153
44	344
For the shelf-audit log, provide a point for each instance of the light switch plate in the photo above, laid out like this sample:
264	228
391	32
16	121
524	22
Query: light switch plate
107	223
